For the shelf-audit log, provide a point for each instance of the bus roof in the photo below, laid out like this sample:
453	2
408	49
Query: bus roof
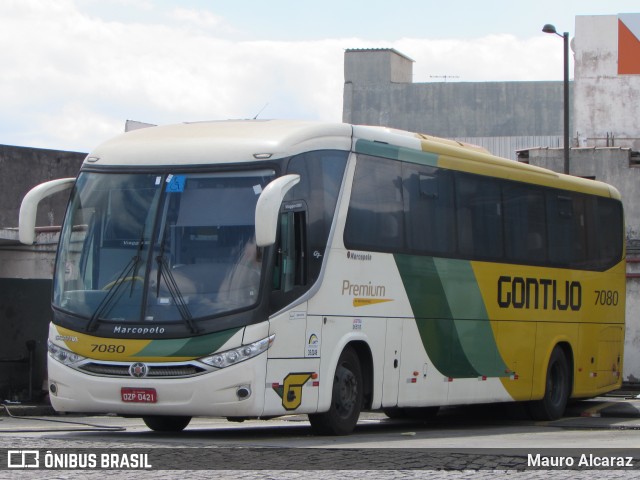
243	141
216	142
469	158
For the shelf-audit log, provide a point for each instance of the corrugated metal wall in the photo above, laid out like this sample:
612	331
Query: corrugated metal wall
507	146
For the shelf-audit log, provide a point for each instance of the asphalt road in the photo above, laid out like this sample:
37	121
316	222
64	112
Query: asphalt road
471	442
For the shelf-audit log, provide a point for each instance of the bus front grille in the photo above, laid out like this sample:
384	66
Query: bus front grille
155	371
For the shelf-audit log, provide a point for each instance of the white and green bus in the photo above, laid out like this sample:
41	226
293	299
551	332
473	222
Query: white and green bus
254	269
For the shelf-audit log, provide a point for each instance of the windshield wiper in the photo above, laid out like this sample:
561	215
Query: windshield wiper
174	291
172	286
108	300
128	273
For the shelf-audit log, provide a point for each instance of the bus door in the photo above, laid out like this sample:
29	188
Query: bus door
294	359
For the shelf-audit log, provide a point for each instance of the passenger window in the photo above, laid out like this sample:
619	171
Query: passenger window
428	186
609	221
567	229
429	210
479	215
375	220
524	224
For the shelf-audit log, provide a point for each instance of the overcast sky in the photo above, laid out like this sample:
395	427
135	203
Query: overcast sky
72	71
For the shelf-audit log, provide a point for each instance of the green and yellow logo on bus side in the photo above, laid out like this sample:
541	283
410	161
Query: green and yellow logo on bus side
451	316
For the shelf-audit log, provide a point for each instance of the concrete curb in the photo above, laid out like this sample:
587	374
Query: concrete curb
606	407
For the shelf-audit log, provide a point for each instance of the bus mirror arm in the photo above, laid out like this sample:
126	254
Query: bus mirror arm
268	208
29	206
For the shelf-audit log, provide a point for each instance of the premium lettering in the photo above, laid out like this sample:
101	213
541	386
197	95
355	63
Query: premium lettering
366	289
539	293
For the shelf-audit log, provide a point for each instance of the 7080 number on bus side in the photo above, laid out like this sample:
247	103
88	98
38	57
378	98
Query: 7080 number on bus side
607	298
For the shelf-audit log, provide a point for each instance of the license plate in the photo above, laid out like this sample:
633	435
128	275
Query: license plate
139	395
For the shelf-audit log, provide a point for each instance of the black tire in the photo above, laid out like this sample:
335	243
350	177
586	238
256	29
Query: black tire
557	389
346	398
161	423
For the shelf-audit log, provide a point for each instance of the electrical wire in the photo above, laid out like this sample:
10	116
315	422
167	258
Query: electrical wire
84	427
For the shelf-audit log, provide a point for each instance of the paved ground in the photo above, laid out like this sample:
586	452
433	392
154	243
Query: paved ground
619	412
621	404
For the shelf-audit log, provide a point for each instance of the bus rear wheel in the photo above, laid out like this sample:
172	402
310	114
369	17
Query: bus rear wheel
161	423
557	389
346	398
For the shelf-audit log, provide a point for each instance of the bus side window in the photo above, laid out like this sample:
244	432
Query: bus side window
375	218
429	209
479	215
291	268
567	229
524	223
609	240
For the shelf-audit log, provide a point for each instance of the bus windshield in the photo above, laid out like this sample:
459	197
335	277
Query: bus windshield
159	248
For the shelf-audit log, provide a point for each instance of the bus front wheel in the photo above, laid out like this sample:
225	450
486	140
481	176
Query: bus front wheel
557	389
161	423
346	398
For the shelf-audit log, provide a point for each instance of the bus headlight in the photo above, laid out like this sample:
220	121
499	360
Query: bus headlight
63	355
237	355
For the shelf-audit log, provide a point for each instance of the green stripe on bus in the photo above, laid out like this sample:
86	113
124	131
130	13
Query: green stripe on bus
470	316
450	316
378	149
188	347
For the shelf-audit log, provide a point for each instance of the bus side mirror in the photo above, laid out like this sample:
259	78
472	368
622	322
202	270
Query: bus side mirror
268	208
29	206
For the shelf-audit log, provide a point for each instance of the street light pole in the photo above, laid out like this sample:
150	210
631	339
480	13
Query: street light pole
565	37
548	28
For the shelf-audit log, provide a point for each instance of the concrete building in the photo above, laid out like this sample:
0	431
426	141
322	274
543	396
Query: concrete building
524	121
505	117
501	116
26	271
606	49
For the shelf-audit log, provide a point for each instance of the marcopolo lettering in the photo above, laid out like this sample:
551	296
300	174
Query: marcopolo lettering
138	330
539	293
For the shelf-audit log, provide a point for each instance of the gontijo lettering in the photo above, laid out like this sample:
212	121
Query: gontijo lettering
539	293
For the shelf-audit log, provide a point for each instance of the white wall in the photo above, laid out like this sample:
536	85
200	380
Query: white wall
604	102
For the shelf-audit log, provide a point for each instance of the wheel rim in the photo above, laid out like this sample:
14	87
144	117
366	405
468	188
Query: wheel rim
346	389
